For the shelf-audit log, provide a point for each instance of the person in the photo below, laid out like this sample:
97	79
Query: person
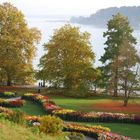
15	93
39	84
39	90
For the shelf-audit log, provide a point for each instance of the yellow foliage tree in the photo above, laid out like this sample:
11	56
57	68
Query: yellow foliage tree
17	45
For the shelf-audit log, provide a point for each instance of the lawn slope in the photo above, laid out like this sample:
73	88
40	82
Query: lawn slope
12	131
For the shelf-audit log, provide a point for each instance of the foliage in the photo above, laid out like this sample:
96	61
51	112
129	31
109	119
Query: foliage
75	136
17	45
51	125
112	136
12	103
12	131
17	117
7	94
118	31
68	61
45	102
72	115
129	63
91	131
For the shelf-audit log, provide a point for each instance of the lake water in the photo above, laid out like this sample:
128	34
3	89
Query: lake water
47	26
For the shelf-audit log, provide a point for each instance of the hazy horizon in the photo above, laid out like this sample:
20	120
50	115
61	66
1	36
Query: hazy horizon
69	7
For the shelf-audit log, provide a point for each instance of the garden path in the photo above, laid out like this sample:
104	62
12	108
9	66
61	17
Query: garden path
88	138
14	98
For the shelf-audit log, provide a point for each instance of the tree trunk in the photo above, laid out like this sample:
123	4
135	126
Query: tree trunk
116	83
43	83
9	82
126	93
125	101
95	89
125	89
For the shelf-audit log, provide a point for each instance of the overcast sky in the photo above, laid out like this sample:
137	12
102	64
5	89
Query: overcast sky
67	7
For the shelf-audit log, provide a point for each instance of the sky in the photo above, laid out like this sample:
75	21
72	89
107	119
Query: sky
67	7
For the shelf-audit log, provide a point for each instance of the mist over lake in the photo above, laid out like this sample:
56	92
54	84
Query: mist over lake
47	25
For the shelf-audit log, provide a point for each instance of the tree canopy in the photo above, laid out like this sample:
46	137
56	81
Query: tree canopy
118	31
68	61
17	45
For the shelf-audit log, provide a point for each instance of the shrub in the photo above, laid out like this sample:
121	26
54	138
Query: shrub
35	130
11	103
2	115
17	103
17	117
7	94
75	136
51	125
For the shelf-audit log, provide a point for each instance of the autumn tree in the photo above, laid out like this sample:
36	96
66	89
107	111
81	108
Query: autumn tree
129	65
68	61
118	31
17	45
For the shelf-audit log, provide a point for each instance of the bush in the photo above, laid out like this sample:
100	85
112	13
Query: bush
2	115
75	136
11	103
35	130
7	94
17	117
51	125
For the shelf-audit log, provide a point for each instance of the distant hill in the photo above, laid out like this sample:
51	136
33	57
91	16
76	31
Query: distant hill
100	18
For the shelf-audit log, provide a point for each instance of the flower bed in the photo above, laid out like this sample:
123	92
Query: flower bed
112	136
96	132
96	116
72	115
86	130
5	110
44	101
7	94
32	119
11	103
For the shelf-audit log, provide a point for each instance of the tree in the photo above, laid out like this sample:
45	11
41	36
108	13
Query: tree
17	45
68	62
118	31
128	70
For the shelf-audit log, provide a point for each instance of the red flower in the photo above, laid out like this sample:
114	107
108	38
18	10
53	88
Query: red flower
46	97
16	103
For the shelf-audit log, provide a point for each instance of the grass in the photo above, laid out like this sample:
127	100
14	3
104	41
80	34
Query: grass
31	108
89	104
131	130
82	104
12	131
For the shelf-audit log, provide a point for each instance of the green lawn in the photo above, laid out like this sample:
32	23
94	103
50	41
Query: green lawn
86	104
131	130
31	108
77	103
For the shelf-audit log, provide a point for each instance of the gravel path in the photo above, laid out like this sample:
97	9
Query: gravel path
14	98
88	138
